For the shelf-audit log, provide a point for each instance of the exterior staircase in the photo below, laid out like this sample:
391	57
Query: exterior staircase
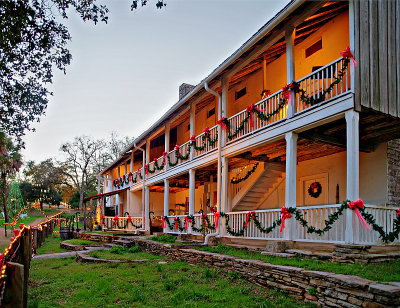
259	187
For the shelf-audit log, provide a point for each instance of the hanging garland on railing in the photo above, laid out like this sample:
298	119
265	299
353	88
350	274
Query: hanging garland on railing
129	220
286	213
250	172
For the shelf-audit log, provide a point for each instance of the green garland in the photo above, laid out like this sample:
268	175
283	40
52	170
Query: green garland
332	218
250	172
313	101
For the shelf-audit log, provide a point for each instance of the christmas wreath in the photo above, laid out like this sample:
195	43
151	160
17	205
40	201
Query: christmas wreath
315	189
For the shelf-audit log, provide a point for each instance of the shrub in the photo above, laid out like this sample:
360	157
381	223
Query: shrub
119	250
165	238
134	249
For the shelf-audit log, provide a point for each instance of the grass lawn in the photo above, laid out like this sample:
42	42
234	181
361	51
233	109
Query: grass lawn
133	253
51	245
383	272
66	283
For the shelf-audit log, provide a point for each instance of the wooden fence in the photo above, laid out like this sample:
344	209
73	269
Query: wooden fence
16	258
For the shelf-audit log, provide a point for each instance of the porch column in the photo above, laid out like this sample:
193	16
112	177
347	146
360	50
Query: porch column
224	197
192	125
166	142
192	187
147	208
224	113
352	186
212	190
132	161
290	36
166	197
290	185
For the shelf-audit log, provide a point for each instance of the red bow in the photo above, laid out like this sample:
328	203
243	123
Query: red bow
146	168
176	222
284	215
102	219
355	205
193	138
206	131
398	212
187	220
249	214
138	170
164	154
155	159
217	215
204	216
223	122
348	55
286	90
21	226
59	223
16	233
115	220
163	223
250	109
176	148
129	218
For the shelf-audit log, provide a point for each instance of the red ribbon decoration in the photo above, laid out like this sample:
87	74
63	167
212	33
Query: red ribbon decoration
217	215
21	226
249	214
355	205
348	55
163	223
129	218
204	216
164	154
223	123
176	222
16	233
138	171
59	223
115	220
398	212
102	219
146	168
187	220
250	109
284	215
206	131
193	138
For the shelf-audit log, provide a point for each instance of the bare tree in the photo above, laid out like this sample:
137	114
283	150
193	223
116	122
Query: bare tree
78	164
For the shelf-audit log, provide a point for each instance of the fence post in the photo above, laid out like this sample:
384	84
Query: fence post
14	289
26	254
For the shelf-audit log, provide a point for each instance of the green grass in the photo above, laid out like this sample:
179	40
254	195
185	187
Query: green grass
164	238
133	253
83	242
66	283
383	272
51	245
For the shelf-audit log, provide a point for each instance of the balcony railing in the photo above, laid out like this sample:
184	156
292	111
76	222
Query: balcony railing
123	223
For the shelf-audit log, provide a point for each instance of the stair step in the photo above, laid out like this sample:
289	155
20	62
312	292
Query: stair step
255	194
124	243
250	199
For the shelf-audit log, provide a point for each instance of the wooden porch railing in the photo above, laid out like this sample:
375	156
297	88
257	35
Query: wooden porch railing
123	224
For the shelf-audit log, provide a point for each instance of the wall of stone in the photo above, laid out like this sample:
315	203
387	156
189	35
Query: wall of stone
393	172
326	289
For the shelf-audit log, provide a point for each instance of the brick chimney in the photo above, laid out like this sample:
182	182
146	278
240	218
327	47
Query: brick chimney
184	89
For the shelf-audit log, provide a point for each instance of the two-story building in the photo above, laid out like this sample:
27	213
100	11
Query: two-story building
289	119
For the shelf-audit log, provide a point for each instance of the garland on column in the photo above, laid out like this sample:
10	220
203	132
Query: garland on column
250	172
286	213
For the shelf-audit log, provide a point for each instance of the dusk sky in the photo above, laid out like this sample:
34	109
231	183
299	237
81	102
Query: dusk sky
126	74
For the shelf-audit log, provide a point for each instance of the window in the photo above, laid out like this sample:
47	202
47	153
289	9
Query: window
314	48
188	127
240	93
211	112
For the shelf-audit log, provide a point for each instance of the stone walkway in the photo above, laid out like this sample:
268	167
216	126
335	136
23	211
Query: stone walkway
64	254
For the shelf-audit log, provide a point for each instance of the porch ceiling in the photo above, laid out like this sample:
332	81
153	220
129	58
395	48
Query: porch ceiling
327	12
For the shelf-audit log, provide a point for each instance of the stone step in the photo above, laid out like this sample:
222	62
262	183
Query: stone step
124	243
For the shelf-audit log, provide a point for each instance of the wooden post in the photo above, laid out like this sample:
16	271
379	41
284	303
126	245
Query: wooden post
166	197
14	290
166	142
192	124
26	254
290	36
192	187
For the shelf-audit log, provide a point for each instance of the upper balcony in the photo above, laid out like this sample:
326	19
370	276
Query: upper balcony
295	73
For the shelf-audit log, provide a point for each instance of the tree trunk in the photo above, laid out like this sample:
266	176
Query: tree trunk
3	178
